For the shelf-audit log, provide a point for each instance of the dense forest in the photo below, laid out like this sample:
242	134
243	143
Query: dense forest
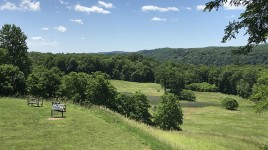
217	56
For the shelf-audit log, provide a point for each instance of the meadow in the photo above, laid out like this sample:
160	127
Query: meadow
206	125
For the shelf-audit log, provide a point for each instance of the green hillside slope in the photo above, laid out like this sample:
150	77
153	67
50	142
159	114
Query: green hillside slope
217	56
23	127
207	125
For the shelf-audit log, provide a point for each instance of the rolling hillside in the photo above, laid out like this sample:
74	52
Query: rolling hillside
206	125
217	56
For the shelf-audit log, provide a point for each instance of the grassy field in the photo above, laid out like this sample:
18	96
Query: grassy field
24	127
207	125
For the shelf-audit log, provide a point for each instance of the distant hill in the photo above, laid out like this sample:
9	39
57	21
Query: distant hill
217	56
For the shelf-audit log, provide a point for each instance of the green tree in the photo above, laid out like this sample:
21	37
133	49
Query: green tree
12	81
44	82
243	89
169	115
100	91
3	56
14	40
134	106
74	87
254	19
260	92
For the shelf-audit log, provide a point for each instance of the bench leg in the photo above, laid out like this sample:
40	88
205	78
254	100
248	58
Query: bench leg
51	113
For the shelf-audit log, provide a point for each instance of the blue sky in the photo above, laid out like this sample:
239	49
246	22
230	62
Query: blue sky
90	26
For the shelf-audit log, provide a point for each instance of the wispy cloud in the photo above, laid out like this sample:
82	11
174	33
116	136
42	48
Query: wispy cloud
24	5
158	19
200	7
106	5
63	2
188	8
37	38
79	21
159	9
45	29
92	9
60	28
82	38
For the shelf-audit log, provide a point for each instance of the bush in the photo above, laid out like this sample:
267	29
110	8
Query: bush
169	115
202	87
187	95
230	103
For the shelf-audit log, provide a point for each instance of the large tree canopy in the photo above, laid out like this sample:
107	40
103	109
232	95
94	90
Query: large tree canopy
14	41
254	20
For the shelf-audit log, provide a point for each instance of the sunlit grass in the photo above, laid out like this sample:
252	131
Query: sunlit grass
24	127
208	126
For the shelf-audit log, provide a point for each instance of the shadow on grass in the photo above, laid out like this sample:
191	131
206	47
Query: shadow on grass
197	104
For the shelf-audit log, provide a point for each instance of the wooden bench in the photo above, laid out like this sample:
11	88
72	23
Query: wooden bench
57	106
34	102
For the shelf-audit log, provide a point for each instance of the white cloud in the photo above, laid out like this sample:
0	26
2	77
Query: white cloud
8	6
228	6
188	8
60	28
79	21
82	38
45	29
63	2
158	19
106	5
29	5
24	5
93	9
37	38
200	7
159	9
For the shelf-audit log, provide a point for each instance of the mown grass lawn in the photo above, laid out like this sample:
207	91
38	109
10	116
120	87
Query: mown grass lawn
207	125
24	127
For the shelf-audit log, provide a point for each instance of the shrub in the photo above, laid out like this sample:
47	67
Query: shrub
187	95
202	87
229	103
169	115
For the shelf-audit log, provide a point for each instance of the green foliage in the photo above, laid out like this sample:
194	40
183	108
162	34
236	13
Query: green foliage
243	88
210	56
169	114
254	19
230	103
187	95
3	56
264	147
12	81
134	106
170	78
202	87
100	91
14	41
44	82
260	92
74	87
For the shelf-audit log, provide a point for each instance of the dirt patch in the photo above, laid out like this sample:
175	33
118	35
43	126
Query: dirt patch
55	118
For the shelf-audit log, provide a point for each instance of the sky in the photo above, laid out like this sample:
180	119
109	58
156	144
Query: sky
91	26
